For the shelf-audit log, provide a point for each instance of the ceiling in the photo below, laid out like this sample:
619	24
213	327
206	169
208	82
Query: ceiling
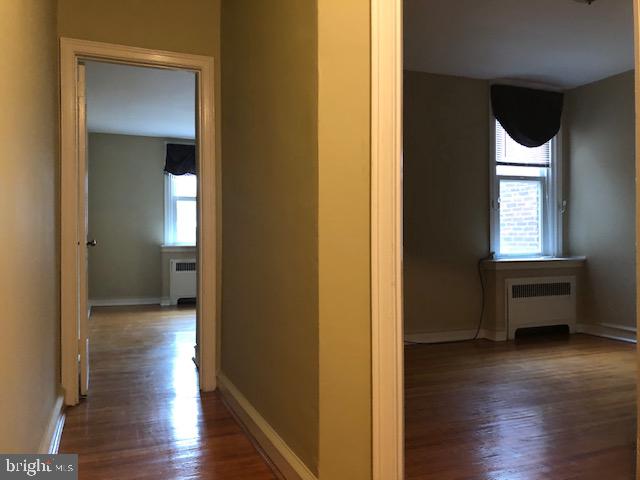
561	43
140	101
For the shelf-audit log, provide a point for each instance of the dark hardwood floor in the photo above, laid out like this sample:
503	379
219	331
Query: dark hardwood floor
560	408
144	417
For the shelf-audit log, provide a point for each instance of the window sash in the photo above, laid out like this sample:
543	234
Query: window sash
552	200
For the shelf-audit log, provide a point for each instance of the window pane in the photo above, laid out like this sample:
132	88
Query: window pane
186	221
520	217
184	185
510	151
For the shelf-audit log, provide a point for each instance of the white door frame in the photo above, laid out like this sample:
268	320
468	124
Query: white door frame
71	52
386	240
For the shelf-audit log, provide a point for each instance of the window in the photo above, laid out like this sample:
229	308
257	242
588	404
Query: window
524	213
180	209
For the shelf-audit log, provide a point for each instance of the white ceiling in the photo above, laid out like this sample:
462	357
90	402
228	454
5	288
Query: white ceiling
557	42
140	101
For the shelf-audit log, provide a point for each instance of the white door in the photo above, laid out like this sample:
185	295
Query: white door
83	243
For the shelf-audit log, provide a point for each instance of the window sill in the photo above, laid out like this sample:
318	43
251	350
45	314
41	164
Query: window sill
536	263
177	248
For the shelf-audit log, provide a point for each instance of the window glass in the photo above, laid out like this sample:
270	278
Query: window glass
520	217
185	185
181	211
186	221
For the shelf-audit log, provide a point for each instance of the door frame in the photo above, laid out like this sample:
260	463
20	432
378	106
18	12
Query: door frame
386	241
71	52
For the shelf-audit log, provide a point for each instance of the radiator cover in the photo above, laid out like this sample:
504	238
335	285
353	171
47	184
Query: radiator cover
182	279
540	302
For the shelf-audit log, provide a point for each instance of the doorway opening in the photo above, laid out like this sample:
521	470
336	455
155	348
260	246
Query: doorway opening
141	207
519	239
183	213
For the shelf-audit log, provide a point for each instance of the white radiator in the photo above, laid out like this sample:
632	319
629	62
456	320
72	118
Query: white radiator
182	279
540	302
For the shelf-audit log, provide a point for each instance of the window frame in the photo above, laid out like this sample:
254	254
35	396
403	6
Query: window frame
170	212
552	222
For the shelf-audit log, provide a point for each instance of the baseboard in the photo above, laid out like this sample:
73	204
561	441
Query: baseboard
51	439
165	302
455	336
493	335
608	330
118	302
284	459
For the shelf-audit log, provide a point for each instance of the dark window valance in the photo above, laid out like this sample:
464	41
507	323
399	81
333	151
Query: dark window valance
181	159
531	117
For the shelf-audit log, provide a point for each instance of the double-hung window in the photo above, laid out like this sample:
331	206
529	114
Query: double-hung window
524	189
180	209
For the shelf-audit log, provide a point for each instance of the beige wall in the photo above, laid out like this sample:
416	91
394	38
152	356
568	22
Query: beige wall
344	50
29	287
126	216
601	214
344	226
446	196
270	214
186	26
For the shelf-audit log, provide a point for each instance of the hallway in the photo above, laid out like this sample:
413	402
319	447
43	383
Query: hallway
144	417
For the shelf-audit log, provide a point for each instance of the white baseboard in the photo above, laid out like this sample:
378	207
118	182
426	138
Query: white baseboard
51	438
118	302
165	302
608	330
455	336
285	460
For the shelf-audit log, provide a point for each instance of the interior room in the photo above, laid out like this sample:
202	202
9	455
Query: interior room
141	124
519	239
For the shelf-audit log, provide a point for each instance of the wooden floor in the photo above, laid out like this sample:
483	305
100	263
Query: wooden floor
557	409
144	417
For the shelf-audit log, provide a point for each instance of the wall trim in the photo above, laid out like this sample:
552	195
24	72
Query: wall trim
455	336
116	302
72	53
533	263
51	439
276	449
387	349
608	330
178	248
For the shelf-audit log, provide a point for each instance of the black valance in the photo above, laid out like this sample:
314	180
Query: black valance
181	159
531	117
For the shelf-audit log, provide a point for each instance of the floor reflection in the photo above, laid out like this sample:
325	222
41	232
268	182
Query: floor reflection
144	417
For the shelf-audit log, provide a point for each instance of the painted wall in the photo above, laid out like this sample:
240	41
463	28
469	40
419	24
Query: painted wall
446	200
344	52
126	216
189	27
601	214
270	214
29	287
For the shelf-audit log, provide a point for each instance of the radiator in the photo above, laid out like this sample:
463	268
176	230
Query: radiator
540	302
182	279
